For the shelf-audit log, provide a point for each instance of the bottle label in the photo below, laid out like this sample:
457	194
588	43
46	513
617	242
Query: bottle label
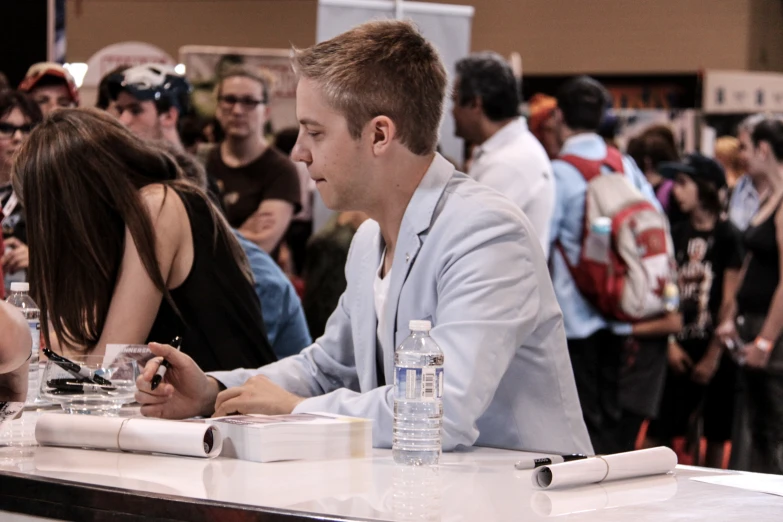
35	332
419	384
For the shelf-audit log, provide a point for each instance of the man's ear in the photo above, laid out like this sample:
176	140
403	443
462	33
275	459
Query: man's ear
383	133
168	119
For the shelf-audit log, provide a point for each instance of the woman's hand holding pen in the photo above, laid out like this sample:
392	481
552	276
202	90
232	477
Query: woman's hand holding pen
186	391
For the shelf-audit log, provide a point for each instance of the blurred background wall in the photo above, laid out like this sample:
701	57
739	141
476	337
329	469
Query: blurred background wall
552	36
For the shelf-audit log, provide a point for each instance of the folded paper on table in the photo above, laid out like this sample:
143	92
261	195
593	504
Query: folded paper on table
770	484
607	495
653	461
129	434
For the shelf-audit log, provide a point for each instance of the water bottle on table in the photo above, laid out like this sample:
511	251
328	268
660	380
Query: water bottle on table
418	398
20	298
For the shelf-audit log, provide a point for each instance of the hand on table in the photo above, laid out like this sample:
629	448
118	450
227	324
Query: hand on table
257	395
185	391
18	256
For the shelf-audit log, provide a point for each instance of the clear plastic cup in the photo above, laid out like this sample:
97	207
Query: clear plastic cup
98	389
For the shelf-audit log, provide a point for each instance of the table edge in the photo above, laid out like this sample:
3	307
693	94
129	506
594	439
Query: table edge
71	500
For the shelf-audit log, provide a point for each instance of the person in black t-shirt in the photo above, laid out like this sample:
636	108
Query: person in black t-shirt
259	185
709	258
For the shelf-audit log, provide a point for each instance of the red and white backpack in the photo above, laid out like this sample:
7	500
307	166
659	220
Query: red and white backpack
630	286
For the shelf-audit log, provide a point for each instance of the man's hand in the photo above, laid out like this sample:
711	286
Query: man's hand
18	256
755	357
727	333
257	395
679	360
185	391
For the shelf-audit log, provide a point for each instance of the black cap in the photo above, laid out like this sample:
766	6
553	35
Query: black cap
697	166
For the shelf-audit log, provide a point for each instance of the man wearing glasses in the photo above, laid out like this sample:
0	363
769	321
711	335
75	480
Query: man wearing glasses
259	185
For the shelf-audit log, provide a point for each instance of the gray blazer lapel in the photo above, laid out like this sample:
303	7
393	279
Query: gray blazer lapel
416	220
366	321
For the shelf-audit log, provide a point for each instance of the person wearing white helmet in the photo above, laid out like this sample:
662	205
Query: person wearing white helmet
150	99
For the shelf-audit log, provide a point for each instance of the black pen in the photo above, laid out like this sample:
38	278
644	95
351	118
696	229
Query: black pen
164	365
546	461
80	372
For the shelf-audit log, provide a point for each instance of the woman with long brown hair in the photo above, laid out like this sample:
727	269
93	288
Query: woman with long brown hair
125	251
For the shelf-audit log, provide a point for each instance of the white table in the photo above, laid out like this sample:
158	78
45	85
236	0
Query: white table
476	485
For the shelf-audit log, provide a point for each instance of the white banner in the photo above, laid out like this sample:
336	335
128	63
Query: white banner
448	27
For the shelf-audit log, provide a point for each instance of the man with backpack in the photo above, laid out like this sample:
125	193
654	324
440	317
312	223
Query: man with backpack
612	259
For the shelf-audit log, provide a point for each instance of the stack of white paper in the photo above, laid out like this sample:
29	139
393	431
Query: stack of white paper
129	434
306	436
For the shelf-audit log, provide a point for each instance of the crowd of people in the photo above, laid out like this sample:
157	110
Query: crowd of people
138	222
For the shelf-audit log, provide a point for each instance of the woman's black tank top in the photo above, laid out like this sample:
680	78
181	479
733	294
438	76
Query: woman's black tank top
221	325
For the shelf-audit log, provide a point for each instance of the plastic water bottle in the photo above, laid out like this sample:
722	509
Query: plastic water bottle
21	299
418	398
598	243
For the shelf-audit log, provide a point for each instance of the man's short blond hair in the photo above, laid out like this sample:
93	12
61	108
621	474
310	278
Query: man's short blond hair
262	76
381	68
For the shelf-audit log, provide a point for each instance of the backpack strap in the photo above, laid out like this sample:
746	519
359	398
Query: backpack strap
589	170
592	168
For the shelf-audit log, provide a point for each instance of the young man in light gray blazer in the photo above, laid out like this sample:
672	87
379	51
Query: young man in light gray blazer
439	247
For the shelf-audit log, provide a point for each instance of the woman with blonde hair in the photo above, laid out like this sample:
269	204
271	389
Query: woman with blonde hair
727	152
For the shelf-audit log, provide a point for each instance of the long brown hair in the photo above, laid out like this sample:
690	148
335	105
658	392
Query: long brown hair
79	174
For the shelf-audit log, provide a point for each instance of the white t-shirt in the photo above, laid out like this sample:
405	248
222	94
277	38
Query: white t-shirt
381	289
515	164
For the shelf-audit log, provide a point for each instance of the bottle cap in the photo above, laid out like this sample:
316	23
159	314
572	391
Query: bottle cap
420	326
20	287
601	225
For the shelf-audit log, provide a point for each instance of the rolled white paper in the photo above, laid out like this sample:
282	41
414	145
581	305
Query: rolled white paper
190	439
653	461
